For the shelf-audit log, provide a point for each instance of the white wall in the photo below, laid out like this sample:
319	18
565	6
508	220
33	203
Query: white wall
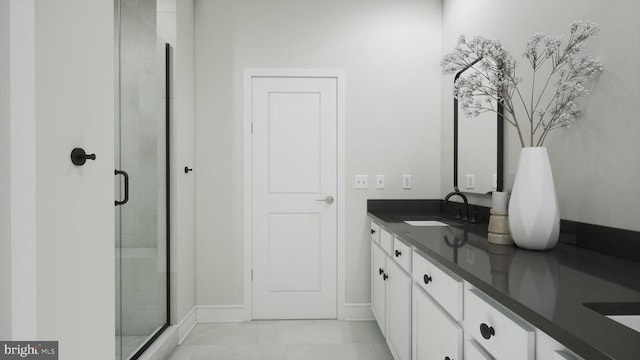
596	163
5	182
390	52
74	106
183	229
22	169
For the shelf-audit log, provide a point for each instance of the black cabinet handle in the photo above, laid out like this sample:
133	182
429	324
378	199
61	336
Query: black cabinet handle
373	231
126	187
486	331
398	253
187	169
447	358
427	279
385	277
380	271
79	156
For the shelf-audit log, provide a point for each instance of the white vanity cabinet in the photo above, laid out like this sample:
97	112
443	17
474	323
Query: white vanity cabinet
399	335
437	308
435	334
502	334
427	312
379	286
391	290
375	232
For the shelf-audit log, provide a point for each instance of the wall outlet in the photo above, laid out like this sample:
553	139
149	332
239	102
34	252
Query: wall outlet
406	181
471	181
379	181
361	182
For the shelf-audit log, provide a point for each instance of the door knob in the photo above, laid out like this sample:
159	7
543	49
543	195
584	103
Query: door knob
328	200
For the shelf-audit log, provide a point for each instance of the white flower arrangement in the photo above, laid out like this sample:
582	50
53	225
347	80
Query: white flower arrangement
494	78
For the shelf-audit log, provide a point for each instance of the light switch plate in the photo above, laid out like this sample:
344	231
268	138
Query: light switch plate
406	181
471	181
379	181
361	182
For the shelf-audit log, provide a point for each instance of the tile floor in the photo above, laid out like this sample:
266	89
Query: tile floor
285	340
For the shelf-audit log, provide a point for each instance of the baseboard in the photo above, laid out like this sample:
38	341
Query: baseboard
164	345
221	313
186	325
358	312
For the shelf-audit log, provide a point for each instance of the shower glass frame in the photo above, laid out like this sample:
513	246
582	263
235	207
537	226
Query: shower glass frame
162	248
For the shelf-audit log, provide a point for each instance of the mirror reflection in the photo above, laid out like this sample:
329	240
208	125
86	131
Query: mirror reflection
478	147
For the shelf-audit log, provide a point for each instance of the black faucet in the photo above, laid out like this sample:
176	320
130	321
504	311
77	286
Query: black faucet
464	217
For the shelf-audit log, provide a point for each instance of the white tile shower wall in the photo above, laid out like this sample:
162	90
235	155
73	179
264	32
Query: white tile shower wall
142	128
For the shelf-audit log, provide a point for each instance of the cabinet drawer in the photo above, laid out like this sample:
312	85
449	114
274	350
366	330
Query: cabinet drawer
473	351
502	334
375	232
443	287
402	254
386	241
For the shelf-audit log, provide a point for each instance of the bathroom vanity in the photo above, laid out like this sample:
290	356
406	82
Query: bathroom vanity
441	291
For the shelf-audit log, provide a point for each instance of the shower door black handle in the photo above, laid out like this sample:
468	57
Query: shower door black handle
126	187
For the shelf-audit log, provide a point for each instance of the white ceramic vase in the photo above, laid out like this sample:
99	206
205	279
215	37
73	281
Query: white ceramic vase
534	217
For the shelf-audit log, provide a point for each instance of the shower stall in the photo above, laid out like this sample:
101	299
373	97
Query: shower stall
142	181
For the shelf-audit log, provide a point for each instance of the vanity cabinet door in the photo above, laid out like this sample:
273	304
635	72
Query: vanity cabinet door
379	286
436	336
399	335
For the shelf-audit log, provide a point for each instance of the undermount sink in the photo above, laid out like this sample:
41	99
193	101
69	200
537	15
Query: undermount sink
426	223
627	314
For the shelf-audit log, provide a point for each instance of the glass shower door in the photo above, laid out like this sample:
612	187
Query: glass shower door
141	181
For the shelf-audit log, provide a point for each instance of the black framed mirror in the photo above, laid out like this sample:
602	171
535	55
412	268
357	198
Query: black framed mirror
478	148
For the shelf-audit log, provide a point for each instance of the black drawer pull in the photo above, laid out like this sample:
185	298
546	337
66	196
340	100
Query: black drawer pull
486	331
380	271
427	279
398	253
385	277
447	358
373	231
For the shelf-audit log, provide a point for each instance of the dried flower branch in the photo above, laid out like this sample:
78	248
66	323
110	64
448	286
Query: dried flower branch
494	78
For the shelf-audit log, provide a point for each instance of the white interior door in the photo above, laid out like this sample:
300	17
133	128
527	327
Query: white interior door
294	183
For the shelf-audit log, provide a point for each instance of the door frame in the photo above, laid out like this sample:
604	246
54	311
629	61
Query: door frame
339	75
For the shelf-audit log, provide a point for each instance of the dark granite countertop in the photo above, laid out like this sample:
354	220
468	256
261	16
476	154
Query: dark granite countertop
547	289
